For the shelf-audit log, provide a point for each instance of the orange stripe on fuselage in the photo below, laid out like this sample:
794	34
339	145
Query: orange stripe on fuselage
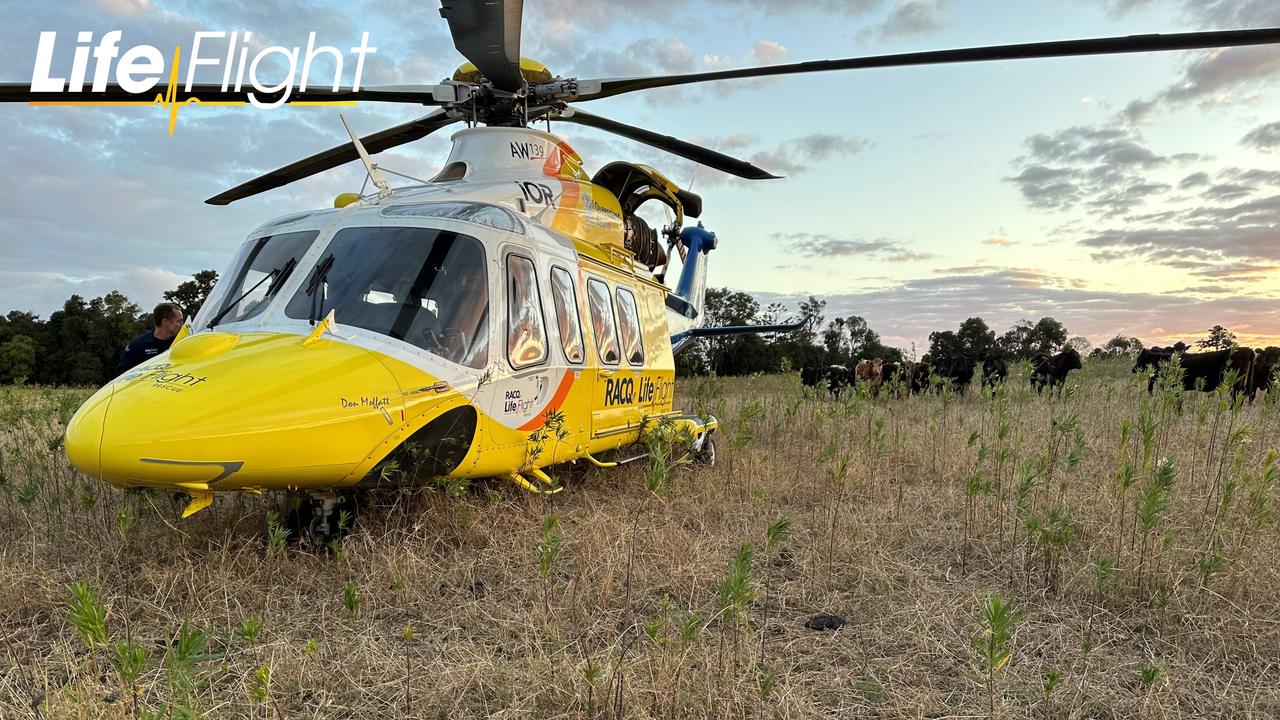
570	193
562	392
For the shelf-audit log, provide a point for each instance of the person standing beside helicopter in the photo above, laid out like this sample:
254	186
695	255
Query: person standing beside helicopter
168	321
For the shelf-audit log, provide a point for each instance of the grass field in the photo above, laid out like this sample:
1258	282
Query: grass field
1103	554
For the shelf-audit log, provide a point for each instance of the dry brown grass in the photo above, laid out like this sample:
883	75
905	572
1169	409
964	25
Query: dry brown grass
884	548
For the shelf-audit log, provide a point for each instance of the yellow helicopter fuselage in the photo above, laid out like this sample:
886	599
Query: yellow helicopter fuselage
490	323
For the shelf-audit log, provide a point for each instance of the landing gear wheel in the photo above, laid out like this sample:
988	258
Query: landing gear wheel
706	455
321	519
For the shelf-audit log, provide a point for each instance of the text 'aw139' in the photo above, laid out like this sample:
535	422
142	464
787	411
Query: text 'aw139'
510	314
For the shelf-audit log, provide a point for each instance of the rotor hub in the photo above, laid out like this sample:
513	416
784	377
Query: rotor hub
532	71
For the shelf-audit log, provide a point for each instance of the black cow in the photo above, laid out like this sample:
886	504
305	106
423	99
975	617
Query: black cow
918	376
1052	371
810	376
838	378
890	371
1205	371
958	371
892	375
995	370
1150	358
1265	365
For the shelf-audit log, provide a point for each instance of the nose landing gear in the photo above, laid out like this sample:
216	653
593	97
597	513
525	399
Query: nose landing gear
323	517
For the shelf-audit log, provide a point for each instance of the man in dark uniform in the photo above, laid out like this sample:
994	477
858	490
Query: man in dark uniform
168	321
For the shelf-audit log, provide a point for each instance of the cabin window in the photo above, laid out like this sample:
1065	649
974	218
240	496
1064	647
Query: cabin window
629	324
265	264
526	335
568	322
422	286
606	333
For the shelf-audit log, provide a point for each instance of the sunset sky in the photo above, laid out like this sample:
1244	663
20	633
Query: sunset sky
1124	194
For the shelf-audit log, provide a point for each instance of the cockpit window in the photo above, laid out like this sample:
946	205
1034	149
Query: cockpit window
264	265
423	286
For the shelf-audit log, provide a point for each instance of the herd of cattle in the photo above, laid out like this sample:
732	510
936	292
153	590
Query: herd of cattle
1253	370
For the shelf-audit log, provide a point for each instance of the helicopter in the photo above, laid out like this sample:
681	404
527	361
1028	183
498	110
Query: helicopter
508	315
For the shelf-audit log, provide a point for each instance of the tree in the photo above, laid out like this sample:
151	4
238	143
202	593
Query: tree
1048	336
945	345
862	339
836	341
1017	340
1080	343
17	359
977	340
191	294
1219	338
1121	345
734	354
811	313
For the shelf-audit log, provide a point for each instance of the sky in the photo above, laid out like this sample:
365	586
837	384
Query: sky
1135	194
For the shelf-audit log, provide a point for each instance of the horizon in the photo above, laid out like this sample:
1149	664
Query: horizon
1134	195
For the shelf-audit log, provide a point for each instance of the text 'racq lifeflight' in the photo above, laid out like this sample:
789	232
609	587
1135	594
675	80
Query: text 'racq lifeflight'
508	315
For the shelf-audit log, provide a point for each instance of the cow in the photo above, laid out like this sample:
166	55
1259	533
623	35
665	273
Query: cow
918	377
1265	365
957	371
995	370
838	378
870	372
810	376
890	372
1205	371
1052	371
1150	358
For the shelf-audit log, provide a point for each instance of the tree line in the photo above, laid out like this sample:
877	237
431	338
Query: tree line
80	344
848	340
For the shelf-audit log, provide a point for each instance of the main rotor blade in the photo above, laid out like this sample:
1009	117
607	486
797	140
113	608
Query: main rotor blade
675	146
333	157
1060	48
212	92
487	32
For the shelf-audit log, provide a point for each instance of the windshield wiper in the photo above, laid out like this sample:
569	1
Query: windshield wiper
281	277
317	276
274	272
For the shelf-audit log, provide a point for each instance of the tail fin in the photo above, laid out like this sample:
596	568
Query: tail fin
685	305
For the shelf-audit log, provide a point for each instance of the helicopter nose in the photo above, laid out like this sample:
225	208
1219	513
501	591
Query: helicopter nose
83	439
225	411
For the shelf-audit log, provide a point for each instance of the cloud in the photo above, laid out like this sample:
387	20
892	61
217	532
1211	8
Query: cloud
1216	77
913	18
828	247
1264	138
1194	180
1209	77
1099	166
1000	241
1221	223
1227	191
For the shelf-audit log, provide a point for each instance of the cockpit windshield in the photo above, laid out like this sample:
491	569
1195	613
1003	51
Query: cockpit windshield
423	286
260	271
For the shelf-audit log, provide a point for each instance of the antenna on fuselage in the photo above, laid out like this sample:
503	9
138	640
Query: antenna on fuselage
378	181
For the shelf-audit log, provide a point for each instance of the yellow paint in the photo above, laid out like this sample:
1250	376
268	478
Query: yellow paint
533	71
200	499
